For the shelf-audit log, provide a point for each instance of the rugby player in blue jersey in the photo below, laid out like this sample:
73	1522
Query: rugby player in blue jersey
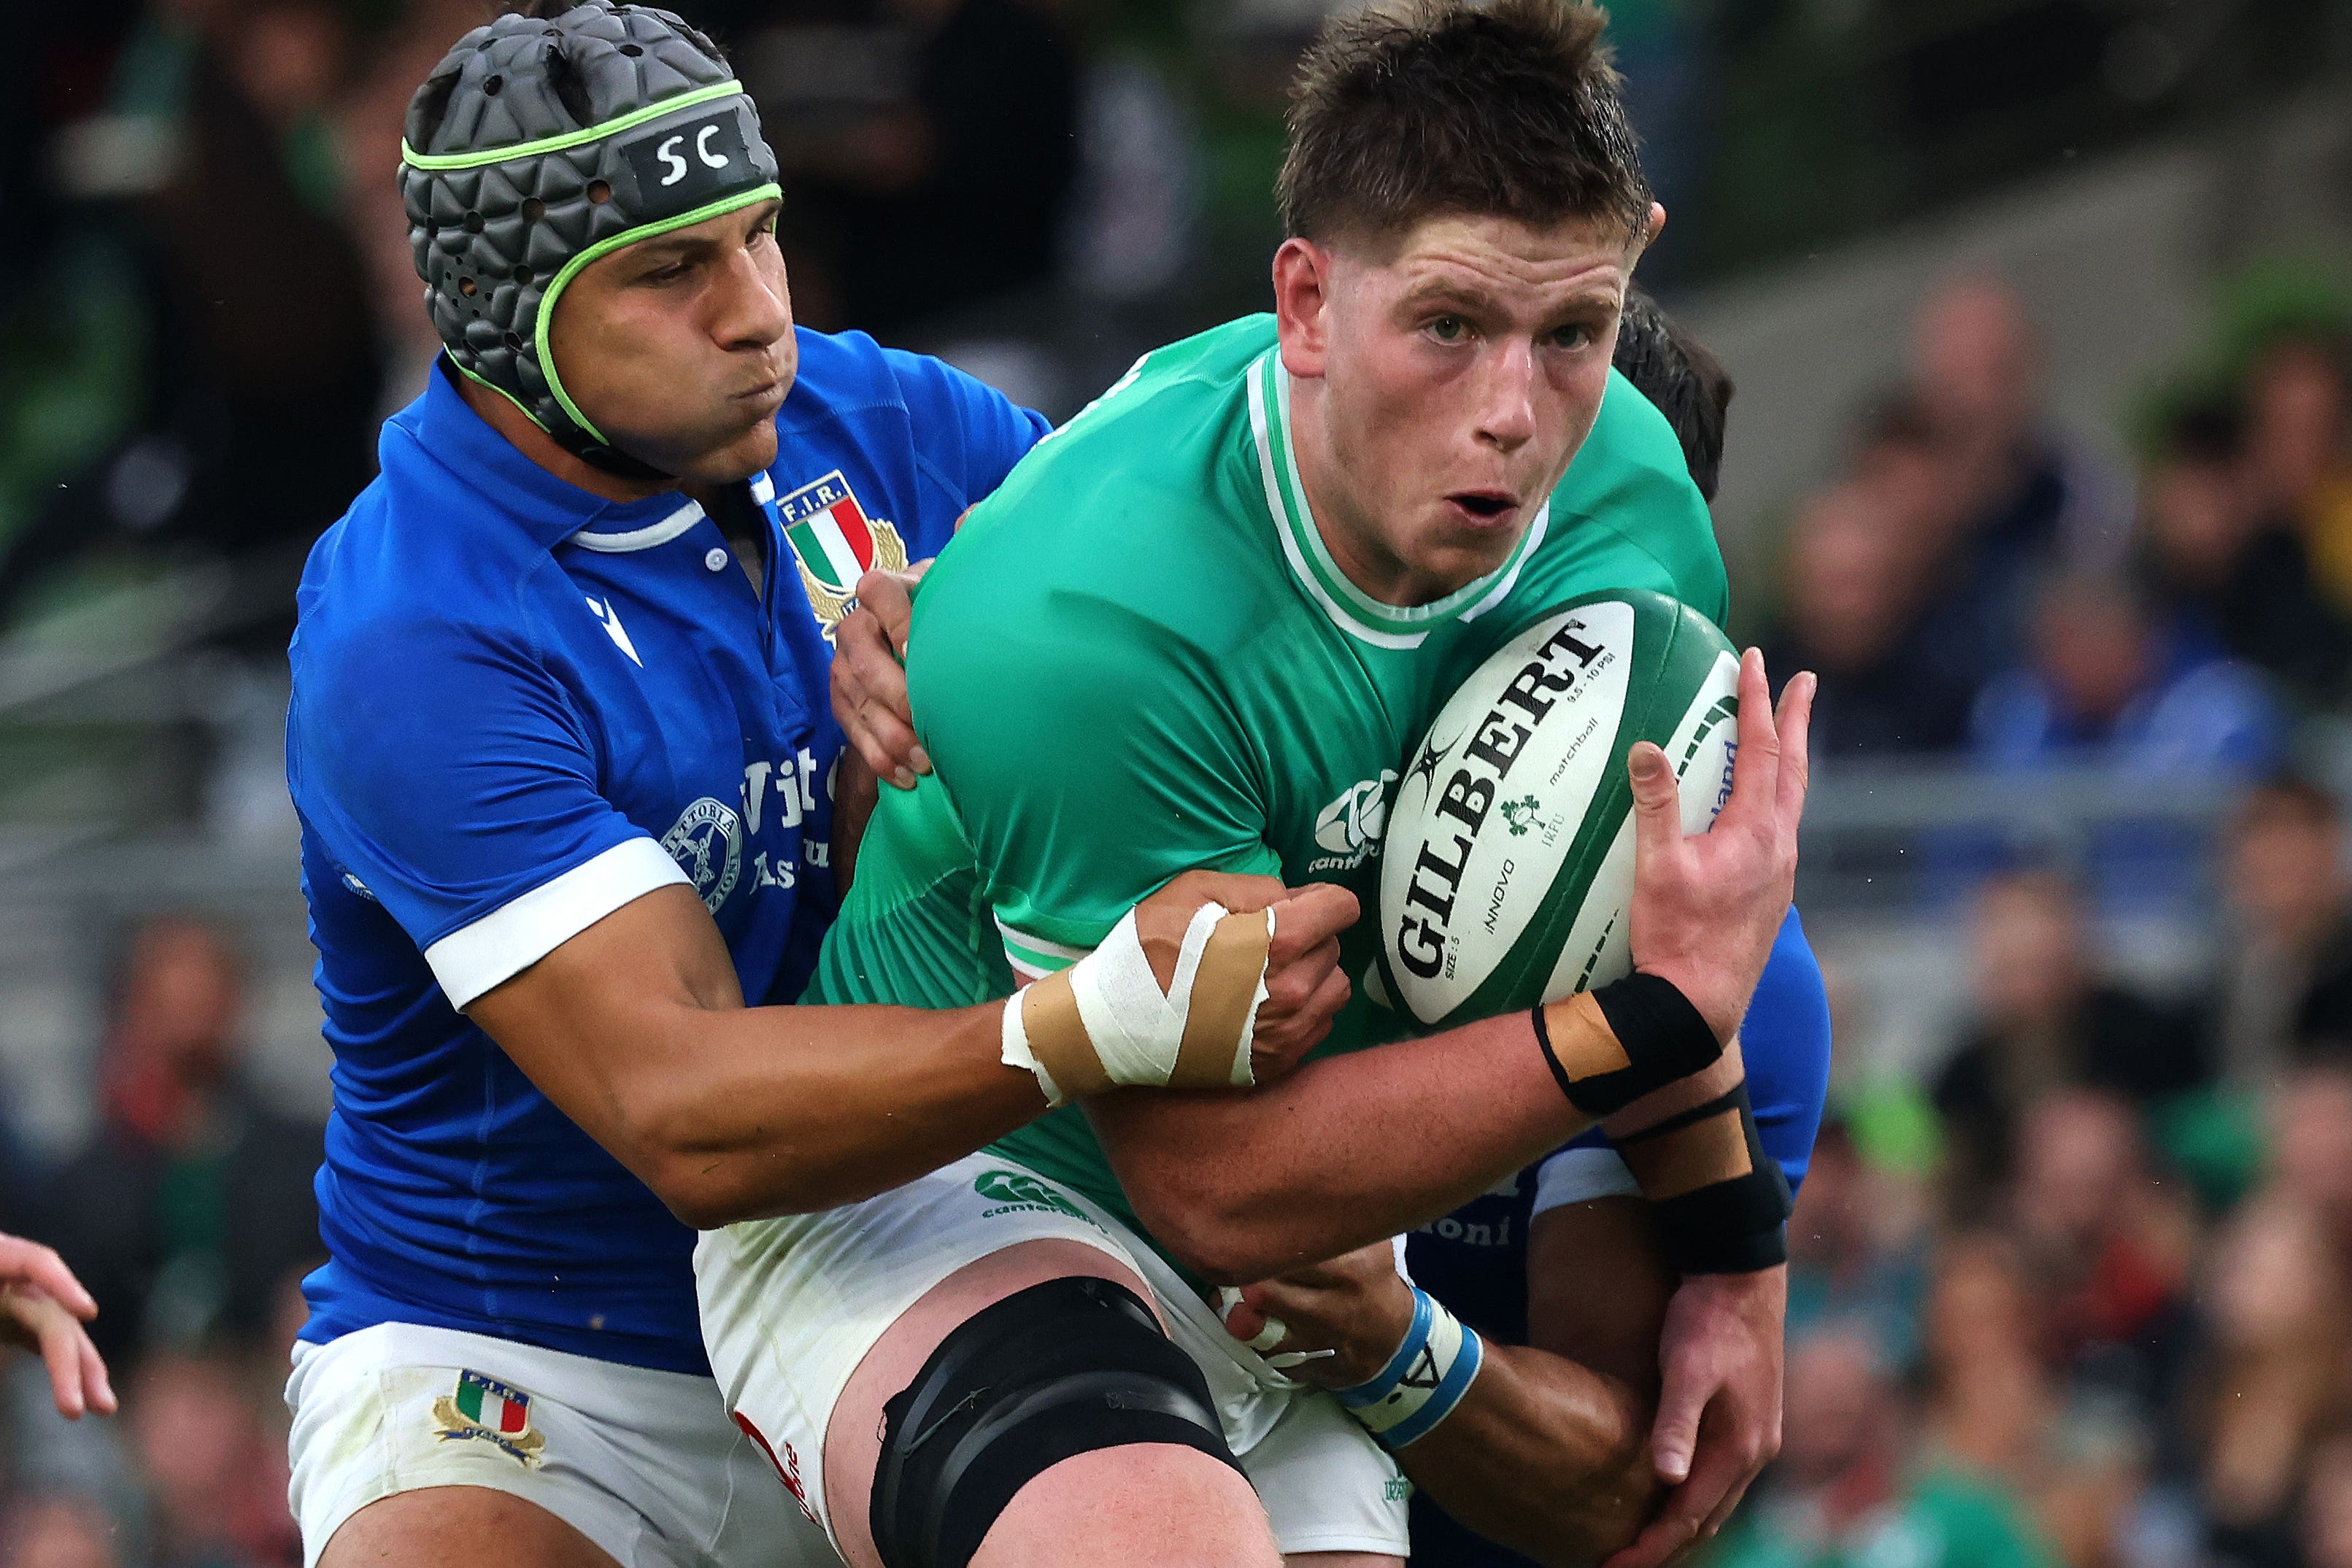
559	746
1553	1448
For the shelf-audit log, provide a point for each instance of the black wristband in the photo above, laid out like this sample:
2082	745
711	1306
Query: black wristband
1663	1037
1552	1058
1732	1227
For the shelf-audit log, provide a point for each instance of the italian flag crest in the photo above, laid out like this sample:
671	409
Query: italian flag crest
483	1409
832	539
829	532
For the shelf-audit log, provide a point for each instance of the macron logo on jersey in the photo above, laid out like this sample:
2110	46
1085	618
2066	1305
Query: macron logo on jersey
611	623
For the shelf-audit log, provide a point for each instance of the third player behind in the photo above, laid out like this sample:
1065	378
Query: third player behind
1201	625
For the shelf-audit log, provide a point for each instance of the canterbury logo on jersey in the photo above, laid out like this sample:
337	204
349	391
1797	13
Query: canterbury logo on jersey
1349	829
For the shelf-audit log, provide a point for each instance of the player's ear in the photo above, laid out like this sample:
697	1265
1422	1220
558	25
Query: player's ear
1302	278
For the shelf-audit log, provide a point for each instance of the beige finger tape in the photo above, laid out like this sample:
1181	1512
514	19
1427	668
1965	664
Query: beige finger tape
1581	1039
1104	1020
1221	1010
1689	1158
1057	1037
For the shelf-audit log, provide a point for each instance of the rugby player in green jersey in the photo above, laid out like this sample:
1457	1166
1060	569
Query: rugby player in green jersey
1204	622
1554	1448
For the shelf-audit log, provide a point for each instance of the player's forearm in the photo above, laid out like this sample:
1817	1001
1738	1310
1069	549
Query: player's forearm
1345	1152
743	1114
637	1030
1353	1149
1543	1457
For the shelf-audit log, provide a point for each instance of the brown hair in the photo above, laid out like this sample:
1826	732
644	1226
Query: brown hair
1506	108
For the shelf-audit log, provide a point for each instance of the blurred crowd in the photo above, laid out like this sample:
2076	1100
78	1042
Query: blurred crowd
187	1212
209	301
1976	584
2083	1295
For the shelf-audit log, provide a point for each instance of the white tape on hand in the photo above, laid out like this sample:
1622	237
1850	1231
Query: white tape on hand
1267	1338
1274	1334
1017	1053
1135	1027
1104	1020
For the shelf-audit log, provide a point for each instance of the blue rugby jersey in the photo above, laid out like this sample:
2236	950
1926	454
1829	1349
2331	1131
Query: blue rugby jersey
517	706
1476	1258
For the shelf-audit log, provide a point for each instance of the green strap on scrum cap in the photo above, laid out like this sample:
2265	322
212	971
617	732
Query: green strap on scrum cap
545	145
540	144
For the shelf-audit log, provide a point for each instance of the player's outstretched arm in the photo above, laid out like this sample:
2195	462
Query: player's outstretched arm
1540	1455
1631	1330
1311	1168
637	1030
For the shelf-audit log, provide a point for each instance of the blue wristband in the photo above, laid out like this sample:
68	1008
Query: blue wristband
1421	1383
1383	1383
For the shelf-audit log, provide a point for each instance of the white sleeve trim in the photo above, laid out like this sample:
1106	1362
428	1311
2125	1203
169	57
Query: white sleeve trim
521	932
1034	957
1580	1176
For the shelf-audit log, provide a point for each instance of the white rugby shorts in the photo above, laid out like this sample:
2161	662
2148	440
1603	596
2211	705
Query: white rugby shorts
791	1306
646	1464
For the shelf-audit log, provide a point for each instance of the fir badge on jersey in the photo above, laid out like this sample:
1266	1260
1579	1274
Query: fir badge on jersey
834	540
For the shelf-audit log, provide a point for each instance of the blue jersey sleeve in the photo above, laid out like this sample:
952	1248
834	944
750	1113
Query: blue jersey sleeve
967	436
450	777
1785	1043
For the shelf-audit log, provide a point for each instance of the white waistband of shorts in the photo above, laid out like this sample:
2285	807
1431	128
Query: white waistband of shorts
527	1365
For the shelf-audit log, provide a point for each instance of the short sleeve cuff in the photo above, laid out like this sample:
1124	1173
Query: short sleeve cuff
1034	957
520	933
1580	1176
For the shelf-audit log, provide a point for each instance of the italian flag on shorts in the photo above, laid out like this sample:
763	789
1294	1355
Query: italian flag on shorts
492	1405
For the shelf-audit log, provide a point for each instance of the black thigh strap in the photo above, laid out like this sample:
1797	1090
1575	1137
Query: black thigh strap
1059	1369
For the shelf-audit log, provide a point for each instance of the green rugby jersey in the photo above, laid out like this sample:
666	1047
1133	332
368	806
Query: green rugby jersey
1137	657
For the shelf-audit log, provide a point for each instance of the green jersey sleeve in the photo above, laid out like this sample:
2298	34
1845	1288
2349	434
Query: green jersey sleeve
1090	754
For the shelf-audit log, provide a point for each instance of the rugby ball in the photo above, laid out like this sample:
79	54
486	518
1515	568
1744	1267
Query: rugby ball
1508	865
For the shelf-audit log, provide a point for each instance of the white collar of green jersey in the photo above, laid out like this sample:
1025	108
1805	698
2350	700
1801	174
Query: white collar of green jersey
1352	610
